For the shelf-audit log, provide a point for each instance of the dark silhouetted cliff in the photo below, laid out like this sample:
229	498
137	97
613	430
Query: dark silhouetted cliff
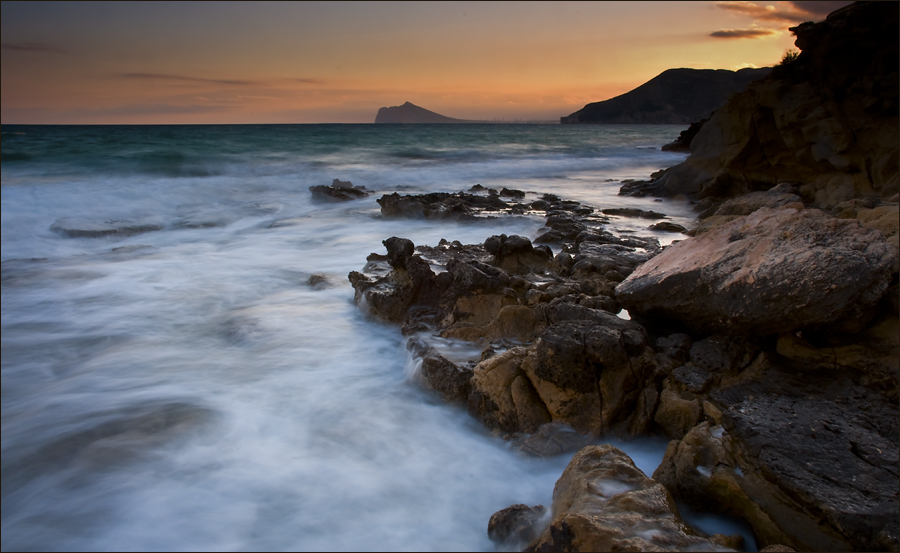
826	122
411	113
675	96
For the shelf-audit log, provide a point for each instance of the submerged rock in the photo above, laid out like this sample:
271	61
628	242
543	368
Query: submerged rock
602	502
338	191
79	228
770	272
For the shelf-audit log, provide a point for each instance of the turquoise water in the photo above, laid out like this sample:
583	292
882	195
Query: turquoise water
187	388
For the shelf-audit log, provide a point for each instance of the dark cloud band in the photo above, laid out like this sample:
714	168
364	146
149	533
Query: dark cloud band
743	33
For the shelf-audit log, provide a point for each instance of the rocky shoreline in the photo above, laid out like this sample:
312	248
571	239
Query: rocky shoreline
765	345
764	382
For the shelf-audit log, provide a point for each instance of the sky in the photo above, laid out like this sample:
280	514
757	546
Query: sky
338	62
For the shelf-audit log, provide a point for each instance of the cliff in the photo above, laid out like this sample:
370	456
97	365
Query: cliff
675	96
411	113
826	122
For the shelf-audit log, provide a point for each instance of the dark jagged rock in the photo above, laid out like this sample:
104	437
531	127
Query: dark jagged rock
675	96
633	212
683	142
338	191
75	228
516	526
668	227
811	463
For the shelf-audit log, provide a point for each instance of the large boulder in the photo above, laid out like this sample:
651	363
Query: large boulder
774	271
602	502
808	462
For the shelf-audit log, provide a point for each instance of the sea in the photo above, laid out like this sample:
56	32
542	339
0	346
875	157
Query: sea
187	385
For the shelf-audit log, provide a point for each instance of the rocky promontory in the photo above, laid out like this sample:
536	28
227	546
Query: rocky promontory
765	346
411	113
826	121
674	97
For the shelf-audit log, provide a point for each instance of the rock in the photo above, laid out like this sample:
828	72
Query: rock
602	502
676	416
778	196
515	254
76	228
632	212
442	205
516	526
551	439
810	463
683	142
447	378
340	191
668	227
770	272
828	120
512	193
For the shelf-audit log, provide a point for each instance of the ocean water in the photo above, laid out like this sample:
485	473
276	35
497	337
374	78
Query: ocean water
188	388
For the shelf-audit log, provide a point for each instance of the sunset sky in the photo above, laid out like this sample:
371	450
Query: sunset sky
338	62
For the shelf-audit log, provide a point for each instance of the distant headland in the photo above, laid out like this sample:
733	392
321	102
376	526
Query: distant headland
674	97
410	113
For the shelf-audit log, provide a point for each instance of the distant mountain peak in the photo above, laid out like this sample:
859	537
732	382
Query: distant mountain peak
411	113
675	96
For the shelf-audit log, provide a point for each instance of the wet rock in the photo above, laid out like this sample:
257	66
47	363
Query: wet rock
447	378
632	212
442	205
551	439
77	228
338	191
770	272
515	254
602	502
516	526
808	462
668	227
512	193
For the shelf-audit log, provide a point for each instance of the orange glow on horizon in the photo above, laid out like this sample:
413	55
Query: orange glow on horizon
340	62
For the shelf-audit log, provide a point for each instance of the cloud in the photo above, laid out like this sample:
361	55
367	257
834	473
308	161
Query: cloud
819	9
743	33
308	81
32	47
168	77
765	13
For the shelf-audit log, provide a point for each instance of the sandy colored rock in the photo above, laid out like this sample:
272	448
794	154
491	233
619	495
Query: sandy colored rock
602	502
774	271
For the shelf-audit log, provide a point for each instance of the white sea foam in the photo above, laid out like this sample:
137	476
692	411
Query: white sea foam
188	388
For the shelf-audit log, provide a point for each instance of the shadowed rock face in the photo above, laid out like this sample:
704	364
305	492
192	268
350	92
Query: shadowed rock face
774	271
808	463
675	96
827	121
602	502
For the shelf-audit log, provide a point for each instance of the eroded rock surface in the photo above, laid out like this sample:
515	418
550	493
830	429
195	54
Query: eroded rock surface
338	191
827	120
602	502
774	271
